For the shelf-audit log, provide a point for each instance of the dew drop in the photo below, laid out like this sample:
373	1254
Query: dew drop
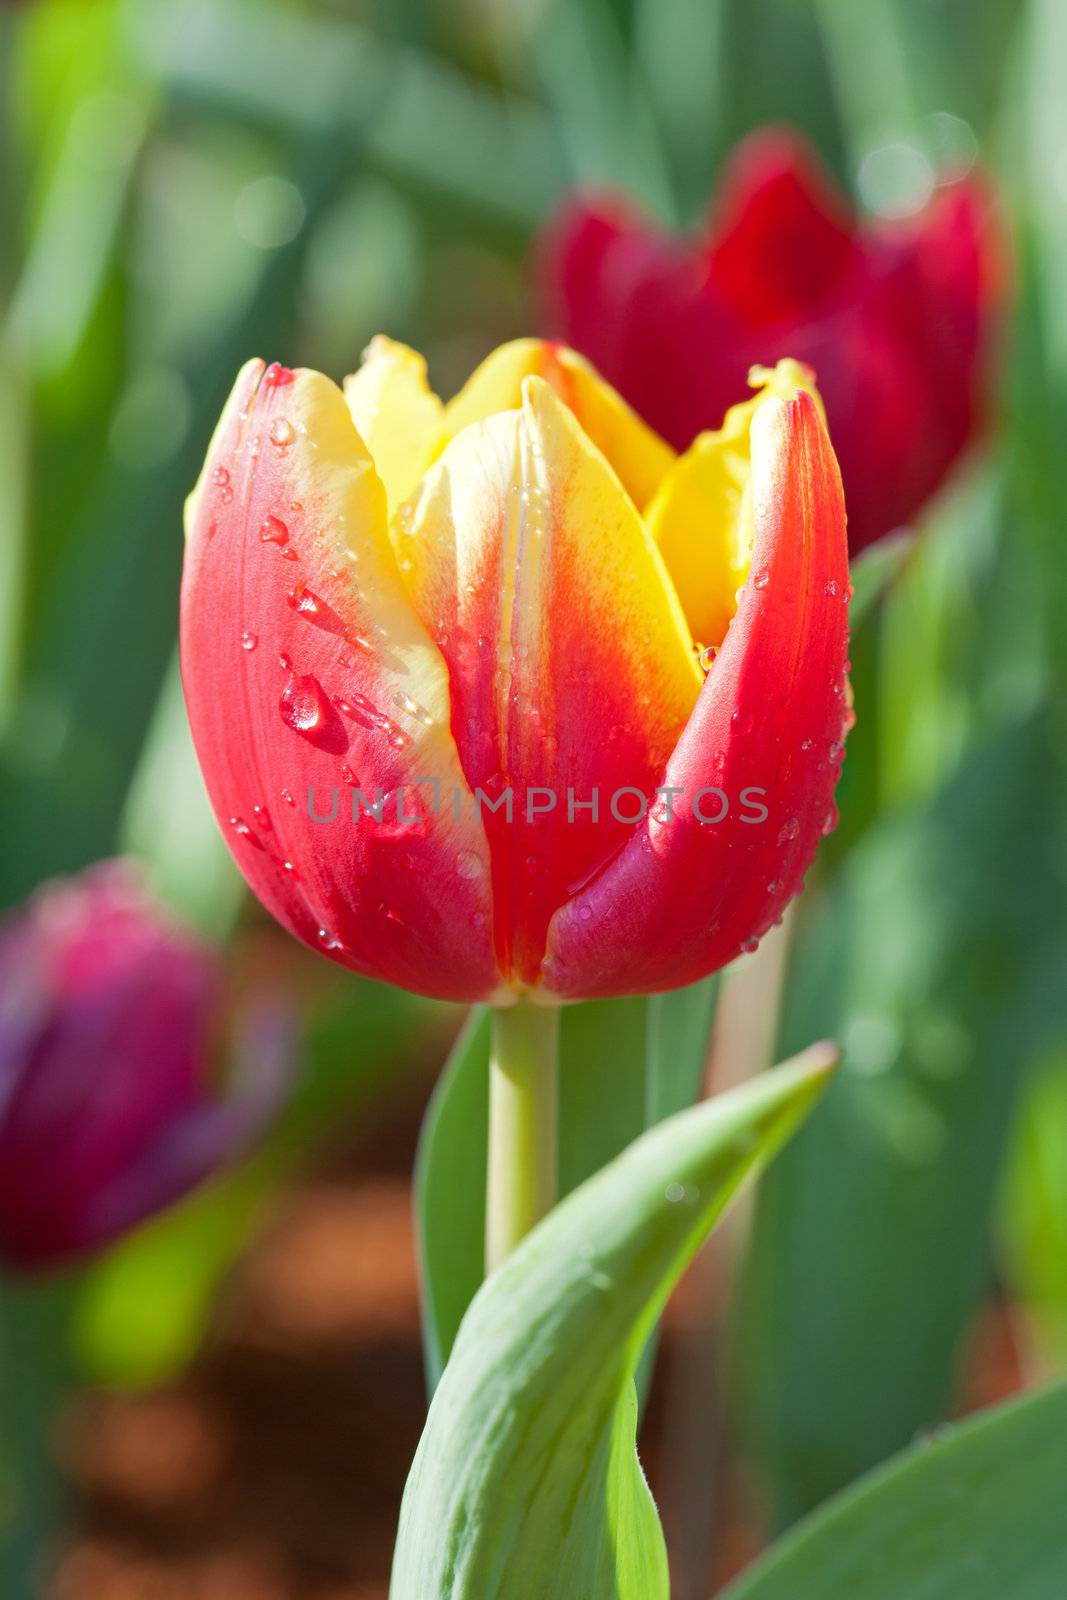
829	588
272	530
277	376
789	830
469	865
761	580
806	744
750	946
220	477
743	720
249	641
831	819
413	709
288	798
304	706
775	886
585	912
262	816
707	656
329	941
240	826
306	604
282	433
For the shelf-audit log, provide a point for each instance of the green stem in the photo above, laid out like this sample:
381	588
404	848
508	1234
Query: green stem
35	1377
523	1090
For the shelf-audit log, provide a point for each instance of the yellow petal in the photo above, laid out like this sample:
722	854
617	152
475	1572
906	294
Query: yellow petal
638	455
702	517
396	414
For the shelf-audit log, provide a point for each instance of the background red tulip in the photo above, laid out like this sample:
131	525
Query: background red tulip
108	1014
895	318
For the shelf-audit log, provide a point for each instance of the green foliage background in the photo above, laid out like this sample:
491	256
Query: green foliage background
184	185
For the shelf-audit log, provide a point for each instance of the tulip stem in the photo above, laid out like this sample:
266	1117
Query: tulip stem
523	1091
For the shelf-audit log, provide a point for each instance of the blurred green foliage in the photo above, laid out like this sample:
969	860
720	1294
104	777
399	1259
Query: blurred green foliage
183	186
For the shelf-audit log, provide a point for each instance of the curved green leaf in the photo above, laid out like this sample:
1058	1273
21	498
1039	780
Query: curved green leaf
977	1512
624	1066
526	1481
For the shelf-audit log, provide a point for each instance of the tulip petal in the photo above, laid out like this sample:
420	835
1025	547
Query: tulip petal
782	238
639	457
310	682
396	414
701	518
571	662
685	895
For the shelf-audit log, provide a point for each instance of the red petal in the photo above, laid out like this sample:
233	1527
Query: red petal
782	239
307	673
683	898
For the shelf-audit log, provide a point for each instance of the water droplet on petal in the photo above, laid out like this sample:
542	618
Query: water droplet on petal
585	912
743	720
469	865
413	709
329	941
277	376
750	946
707	656
240	826
829	588
272	530
249	641
831	819
220	477
305	603
282	433
288	798
762	578
304	705
262	816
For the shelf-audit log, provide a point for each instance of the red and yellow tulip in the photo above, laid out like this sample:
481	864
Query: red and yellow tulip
502	697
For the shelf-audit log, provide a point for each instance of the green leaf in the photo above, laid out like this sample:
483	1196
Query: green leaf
976	1512
937	958
874	570
1034	1220
526	1481
624	1065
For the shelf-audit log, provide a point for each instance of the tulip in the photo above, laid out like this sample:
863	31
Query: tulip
107	1016
895	317
502	699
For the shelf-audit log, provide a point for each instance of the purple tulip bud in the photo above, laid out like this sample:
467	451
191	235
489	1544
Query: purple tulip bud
109	1023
